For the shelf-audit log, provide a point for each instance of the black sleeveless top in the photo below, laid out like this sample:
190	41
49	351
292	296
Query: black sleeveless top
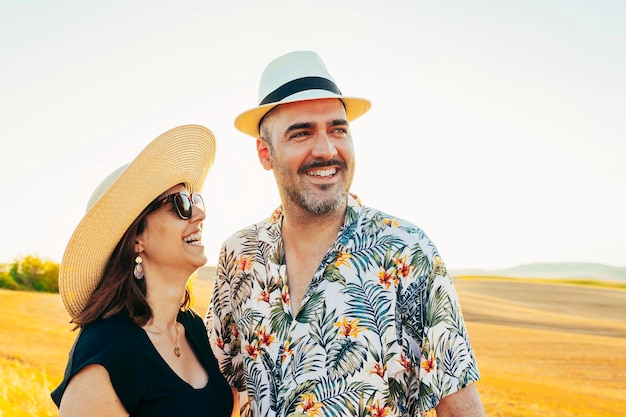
143	381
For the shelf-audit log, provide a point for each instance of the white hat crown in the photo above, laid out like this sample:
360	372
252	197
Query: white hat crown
296	76
293	73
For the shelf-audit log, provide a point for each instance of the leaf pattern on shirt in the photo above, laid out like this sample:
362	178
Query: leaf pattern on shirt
379	331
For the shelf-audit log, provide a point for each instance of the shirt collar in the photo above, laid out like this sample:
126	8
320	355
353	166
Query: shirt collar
354	205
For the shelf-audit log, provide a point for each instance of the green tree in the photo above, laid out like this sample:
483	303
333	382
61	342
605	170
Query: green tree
30	274
7	281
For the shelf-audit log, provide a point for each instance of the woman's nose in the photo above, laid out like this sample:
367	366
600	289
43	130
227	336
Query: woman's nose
197	214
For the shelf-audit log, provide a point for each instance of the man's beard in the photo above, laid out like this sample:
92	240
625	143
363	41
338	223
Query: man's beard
310	201
317	205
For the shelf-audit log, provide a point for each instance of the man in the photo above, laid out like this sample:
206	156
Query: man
329	307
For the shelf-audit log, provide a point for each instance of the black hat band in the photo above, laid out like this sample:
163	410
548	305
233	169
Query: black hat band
300	84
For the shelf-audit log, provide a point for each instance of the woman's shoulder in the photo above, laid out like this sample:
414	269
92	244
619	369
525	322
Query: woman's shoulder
116	325
191	320
189	315
115	343
109	335
195	329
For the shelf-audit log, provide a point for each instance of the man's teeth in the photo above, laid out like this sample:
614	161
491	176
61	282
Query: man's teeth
323	173
194	239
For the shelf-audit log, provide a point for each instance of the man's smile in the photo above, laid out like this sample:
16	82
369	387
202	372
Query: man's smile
329	172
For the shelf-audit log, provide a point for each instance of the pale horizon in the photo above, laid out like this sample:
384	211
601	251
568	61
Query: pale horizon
495	127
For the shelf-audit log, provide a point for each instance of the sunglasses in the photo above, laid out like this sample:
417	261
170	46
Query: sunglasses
182	202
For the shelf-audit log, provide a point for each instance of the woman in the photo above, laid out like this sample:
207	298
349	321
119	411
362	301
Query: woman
141	350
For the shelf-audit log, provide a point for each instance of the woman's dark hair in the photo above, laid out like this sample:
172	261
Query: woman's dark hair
118	290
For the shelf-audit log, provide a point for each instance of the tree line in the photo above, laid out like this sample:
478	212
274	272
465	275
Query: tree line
30	274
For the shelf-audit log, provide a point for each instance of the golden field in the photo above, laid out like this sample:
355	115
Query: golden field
544	348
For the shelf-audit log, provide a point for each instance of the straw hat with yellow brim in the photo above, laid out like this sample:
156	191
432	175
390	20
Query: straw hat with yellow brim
296	76
182	155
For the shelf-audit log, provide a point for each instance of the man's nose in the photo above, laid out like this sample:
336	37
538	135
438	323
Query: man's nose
324	147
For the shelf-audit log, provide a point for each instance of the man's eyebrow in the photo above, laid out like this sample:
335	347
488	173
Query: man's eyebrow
338	122
298	126
311	125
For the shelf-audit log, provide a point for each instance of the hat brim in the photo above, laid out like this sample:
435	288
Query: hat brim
248	121
181	155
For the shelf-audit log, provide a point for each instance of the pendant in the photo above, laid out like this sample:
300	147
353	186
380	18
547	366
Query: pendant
177	351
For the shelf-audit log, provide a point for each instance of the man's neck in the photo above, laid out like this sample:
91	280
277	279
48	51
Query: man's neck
302	226
307	238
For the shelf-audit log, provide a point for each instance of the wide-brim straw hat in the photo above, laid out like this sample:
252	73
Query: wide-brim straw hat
182	155
296	76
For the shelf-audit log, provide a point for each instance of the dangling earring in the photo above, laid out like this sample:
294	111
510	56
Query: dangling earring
138	270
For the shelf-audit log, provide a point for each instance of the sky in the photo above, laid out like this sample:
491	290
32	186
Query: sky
497	127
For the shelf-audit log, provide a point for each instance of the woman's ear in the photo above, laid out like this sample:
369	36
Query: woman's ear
263	151
138	245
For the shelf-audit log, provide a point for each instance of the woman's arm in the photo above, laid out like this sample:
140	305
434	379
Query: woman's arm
91	394
235	403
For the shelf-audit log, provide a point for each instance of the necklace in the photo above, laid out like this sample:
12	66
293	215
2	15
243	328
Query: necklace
177	350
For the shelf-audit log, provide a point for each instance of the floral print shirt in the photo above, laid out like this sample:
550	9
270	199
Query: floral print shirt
379	331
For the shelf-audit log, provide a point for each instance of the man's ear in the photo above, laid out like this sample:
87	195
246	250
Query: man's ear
263	151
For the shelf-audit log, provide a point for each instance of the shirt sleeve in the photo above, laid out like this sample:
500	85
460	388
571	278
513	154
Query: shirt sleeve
221	326
101	343
437	331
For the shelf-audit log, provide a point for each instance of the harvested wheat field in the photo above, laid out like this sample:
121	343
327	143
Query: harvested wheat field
544	348
547	349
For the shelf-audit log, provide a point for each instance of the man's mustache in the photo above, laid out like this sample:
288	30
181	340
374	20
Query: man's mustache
322	164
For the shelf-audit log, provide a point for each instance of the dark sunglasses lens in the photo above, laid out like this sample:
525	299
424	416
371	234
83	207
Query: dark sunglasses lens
183	205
